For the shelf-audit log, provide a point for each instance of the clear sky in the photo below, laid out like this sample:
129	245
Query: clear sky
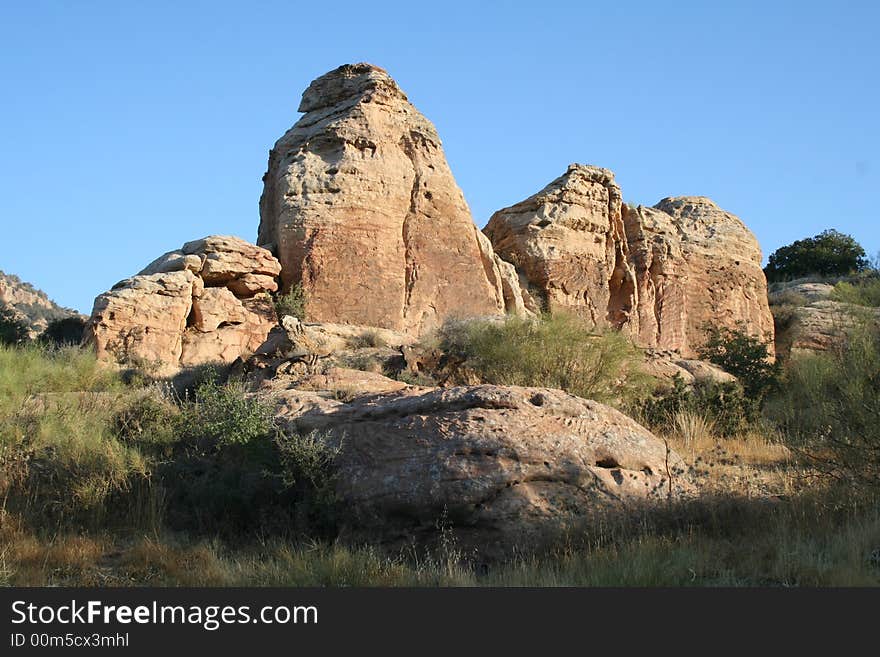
128	128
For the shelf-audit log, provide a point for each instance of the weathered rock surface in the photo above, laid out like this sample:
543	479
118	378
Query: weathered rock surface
506	466
340	383
568	241
821	325
718	280
207	302
807	292
658	273
666	365
362	210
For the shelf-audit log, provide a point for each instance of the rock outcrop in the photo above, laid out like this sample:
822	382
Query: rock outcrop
31	306
206	302
362	210
701	266
660	273
505	466
821	326
568	241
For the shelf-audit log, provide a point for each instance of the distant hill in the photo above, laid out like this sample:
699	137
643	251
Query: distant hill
33	305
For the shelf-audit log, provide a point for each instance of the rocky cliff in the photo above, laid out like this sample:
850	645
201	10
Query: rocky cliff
31	305
361	209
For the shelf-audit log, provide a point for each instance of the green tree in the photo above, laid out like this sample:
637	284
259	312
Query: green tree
744	356
829	253
12	329
64	331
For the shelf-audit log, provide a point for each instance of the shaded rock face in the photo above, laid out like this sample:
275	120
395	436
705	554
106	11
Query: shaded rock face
362	210
660	274
506	466
206	302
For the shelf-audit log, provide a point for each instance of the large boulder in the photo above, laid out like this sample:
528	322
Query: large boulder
362	210
661	274
505	466
204	303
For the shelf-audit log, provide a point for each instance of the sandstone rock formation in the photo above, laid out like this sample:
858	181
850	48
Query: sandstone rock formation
568	241
718	278
362	210
658	273
506	466
666	365
206	302
821	325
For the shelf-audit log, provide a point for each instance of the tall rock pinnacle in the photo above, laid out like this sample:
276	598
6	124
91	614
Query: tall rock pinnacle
360	207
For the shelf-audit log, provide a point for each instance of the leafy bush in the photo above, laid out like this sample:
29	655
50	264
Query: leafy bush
307	463
725	405
744	356
861	293
225	415
554	351
830	405
234	471
829	253
13	330
293	303
65	331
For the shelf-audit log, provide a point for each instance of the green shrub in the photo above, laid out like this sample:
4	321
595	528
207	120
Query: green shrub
829	406
13	330
307	466
554	351
726	405
64	331
225	415
744	356
861	293
292	303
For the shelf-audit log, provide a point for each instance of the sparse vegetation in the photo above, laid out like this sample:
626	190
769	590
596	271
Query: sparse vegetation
292	303
863	292
370	338
830	405
554	351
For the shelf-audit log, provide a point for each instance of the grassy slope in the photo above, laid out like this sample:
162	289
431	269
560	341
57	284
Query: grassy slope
762	524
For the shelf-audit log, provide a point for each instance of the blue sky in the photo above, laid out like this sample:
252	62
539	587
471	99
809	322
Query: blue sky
128	128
